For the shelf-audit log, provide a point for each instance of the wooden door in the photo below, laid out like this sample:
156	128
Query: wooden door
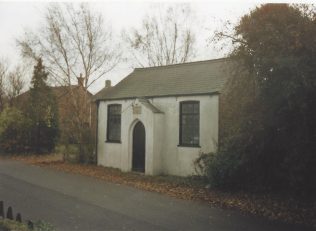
138	160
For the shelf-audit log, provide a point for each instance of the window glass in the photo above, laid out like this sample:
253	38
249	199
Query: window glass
190	123
114	123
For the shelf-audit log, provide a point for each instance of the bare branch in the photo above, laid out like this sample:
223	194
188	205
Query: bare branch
74	40
163	39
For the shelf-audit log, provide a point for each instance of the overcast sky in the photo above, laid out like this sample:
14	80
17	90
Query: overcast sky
15	17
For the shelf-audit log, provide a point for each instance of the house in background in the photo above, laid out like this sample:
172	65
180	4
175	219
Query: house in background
66	109
159	119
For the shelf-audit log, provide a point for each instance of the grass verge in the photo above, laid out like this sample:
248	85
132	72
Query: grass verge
8	225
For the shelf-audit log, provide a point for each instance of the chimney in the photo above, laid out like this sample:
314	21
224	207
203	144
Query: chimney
80	80
108	83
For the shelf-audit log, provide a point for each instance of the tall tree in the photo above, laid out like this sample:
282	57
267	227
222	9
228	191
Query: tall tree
272	143
164	38
74	40
42	111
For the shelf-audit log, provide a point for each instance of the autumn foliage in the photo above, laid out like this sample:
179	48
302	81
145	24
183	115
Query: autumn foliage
270	143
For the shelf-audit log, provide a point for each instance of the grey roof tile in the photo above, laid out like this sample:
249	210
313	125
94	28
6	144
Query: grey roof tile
203	77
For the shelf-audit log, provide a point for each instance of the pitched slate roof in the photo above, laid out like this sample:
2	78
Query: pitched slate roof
203	77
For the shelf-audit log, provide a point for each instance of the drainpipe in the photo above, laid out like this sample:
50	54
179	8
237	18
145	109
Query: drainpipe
96	132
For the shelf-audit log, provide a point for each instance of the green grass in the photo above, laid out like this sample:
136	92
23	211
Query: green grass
10	225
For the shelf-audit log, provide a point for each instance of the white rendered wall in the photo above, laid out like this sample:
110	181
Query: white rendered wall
179	160
163	155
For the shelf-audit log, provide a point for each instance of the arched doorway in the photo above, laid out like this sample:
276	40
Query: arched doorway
138	158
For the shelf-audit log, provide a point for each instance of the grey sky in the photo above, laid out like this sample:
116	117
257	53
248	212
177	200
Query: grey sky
15	17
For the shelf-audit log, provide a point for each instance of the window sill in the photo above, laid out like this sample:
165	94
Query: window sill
113	141
189	146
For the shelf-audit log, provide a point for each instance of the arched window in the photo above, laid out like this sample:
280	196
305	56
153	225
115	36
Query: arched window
189	123
114	123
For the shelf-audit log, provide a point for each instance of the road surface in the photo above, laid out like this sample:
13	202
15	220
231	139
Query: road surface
74	202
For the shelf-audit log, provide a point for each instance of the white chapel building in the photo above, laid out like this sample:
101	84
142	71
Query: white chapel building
158	120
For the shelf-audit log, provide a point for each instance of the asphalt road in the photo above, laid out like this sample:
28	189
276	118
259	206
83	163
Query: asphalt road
73	202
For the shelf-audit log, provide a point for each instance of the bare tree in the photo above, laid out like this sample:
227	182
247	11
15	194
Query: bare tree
164	38
12	81
3	76
15	83
74	40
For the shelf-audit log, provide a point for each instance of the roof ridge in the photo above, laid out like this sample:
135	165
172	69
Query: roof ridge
157	82
181	64
72	85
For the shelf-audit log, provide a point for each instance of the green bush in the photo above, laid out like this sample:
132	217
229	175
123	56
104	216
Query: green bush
14	131
220	169
41	225
11	225
241	165
19	133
